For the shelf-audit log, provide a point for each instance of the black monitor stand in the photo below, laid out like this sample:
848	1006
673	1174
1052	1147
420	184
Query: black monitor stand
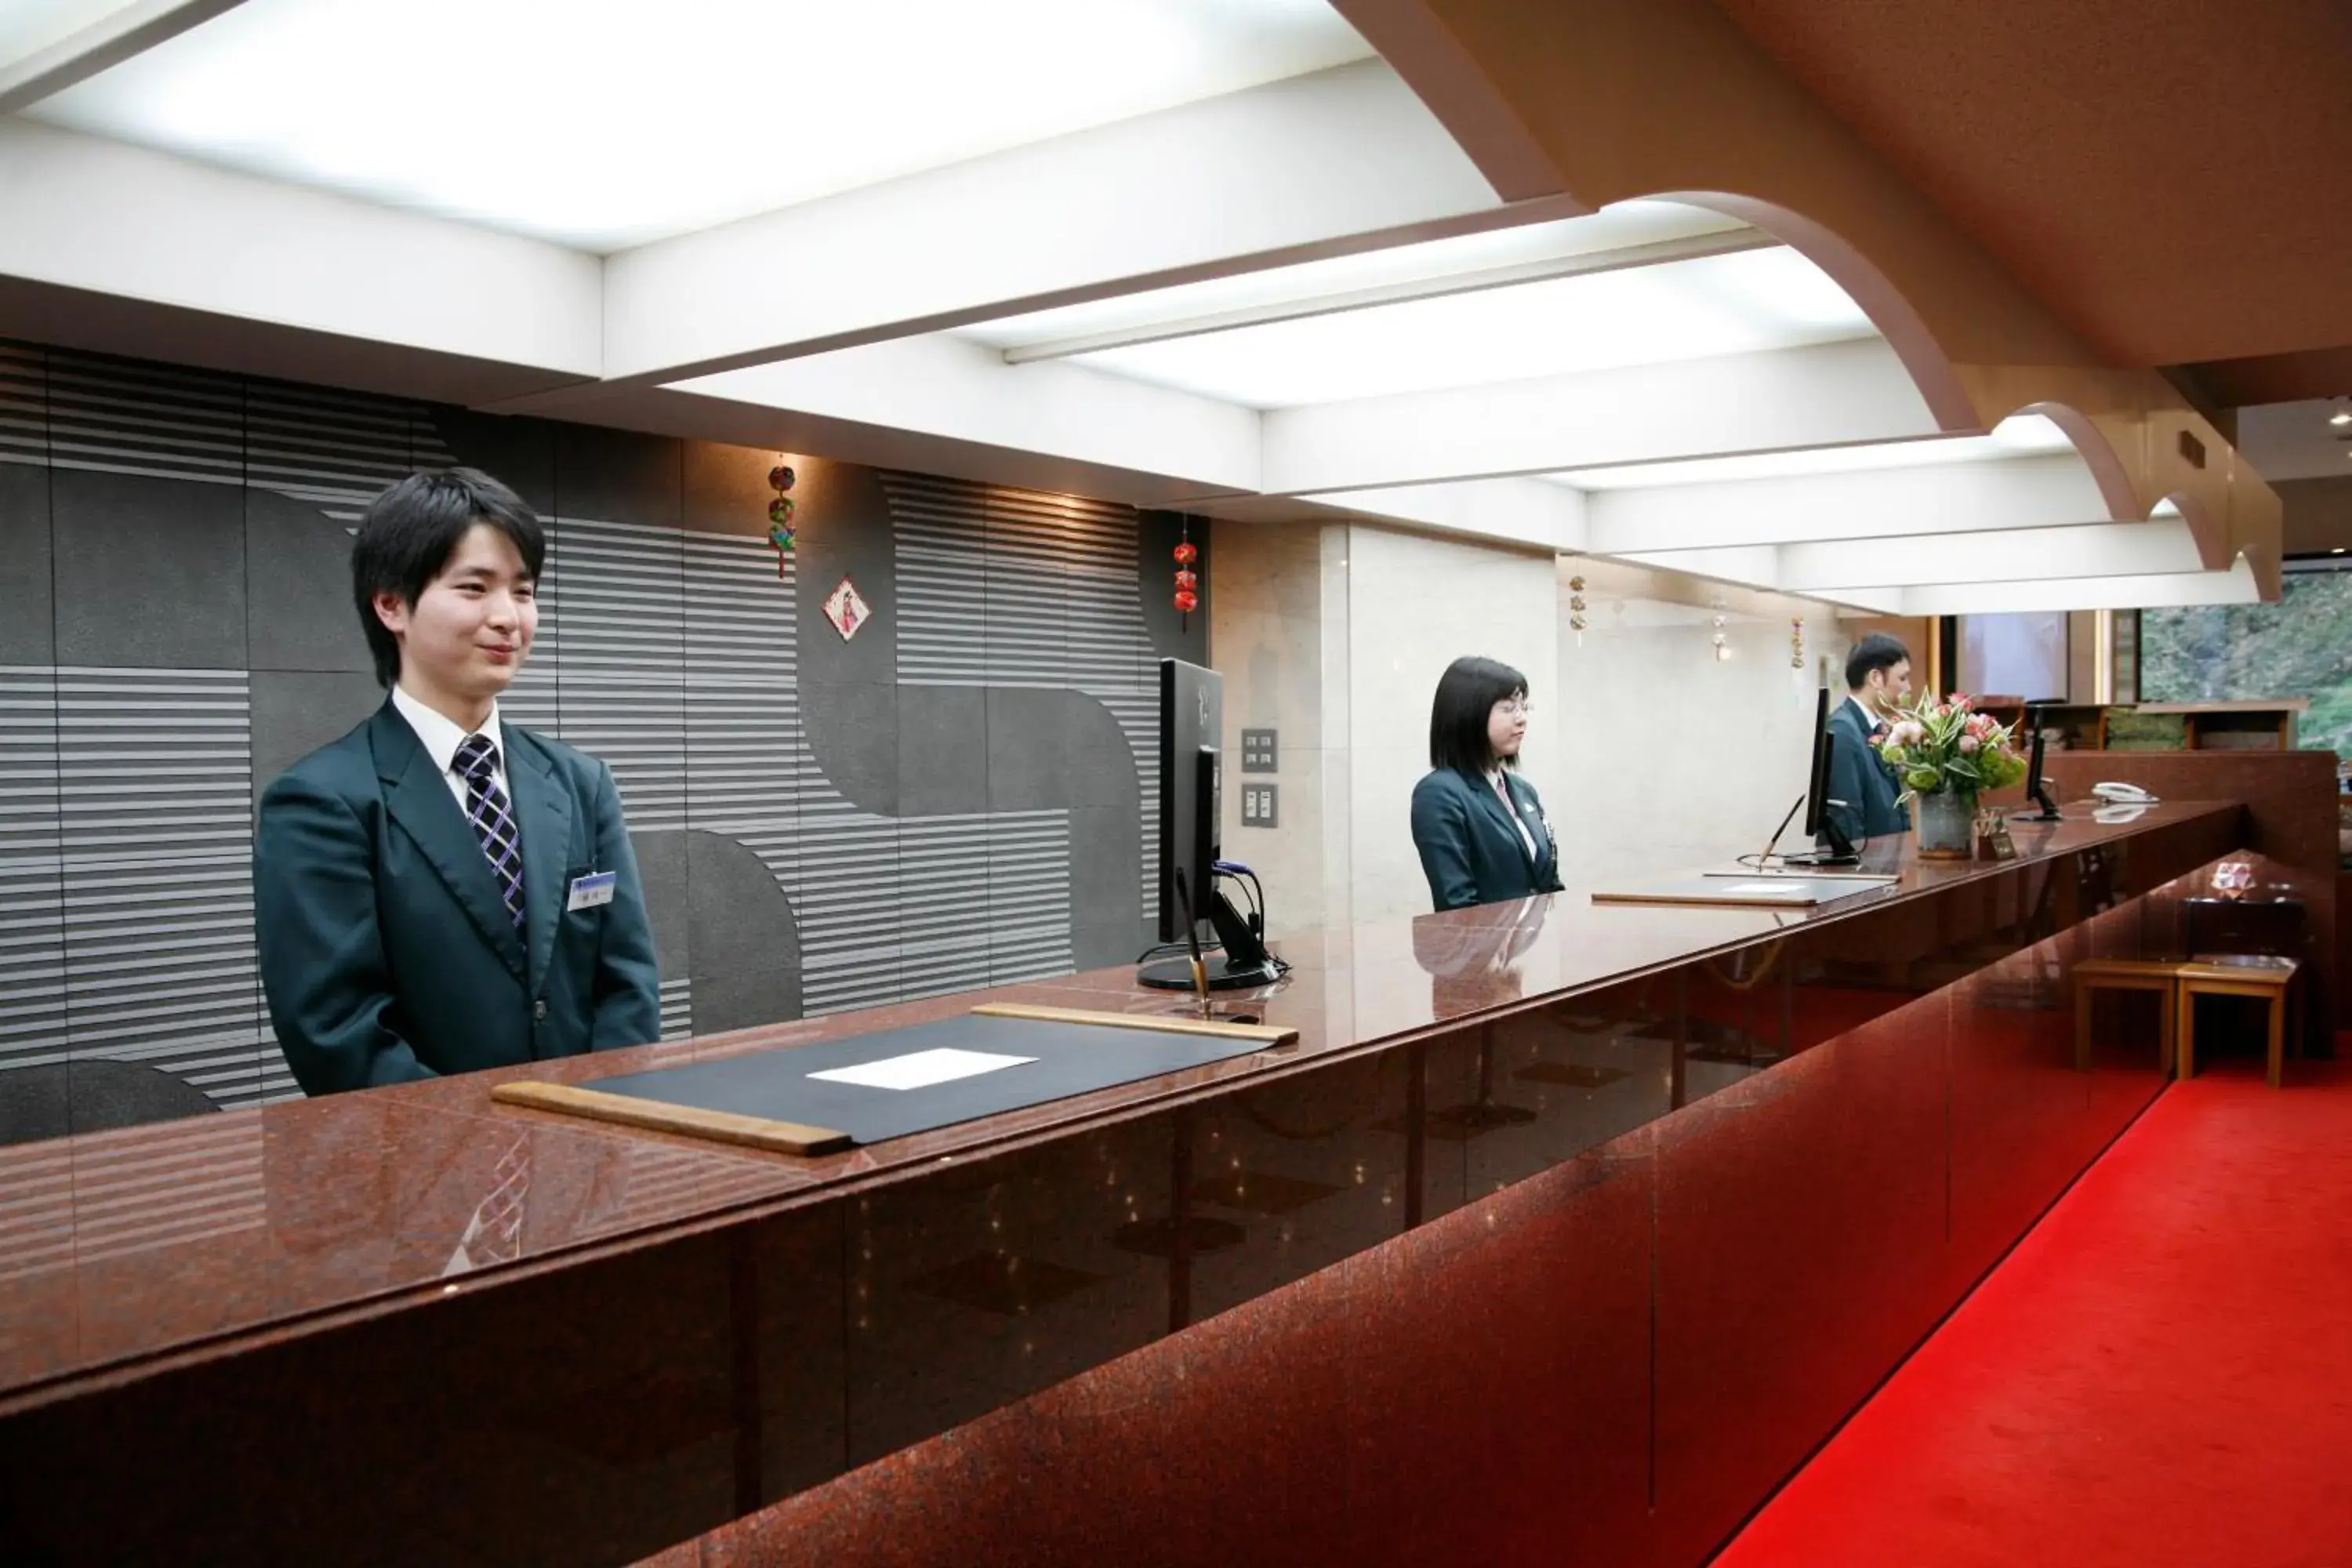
1836	850
2037	787
1244	962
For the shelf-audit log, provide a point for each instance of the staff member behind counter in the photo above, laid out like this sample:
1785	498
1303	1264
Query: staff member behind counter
1481	832
438	891
1866	797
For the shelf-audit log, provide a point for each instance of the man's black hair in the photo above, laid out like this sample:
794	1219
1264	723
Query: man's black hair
1876	651
409	533
1466	695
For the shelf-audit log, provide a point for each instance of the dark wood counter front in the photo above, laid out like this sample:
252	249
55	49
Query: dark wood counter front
412	1325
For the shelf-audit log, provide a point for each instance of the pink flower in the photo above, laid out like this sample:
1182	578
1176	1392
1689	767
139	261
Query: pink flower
1968	743
1960	699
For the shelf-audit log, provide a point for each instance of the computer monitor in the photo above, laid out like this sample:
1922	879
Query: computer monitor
2037	787
1833	847
1192	720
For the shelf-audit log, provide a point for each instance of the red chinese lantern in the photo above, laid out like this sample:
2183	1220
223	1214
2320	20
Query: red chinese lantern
1188	581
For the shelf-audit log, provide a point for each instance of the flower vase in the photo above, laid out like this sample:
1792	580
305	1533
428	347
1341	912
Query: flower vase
1947	826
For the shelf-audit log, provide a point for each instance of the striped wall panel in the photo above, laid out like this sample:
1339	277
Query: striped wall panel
32	872
700	717
127	927
334	449
125	898
677	1006
1057	608
155	792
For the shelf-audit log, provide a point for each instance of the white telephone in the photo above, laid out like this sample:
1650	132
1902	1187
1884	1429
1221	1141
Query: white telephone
2122	793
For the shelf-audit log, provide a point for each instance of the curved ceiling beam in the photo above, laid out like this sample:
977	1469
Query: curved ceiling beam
1630	99
1447	82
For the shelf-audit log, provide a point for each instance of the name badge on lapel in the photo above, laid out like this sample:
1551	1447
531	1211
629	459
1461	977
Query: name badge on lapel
587	892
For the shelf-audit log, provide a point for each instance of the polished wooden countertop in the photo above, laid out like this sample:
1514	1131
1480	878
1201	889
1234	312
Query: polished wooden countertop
128	1251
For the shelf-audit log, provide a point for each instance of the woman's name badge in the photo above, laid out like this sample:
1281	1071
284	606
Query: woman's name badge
587	892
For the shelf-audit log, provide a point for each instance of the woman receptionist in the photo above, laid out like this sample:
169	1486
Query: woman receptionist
1481	830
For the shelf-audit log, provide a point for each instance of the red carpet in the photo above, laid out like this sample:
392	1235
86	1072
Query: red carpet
2161	1372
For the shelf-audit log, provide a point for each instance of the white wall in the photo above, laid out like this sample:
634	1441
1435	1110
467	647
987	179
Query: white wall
1670	757
1415	605
1277	633
1650	753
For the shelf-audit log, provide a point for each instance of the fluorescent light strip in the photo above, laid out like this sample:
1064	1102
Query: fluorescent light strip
1514	239
2019	436
1707	308
1729	243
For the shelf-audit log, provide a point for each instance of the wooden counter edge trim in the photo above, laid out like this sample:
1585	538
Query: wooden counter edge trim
1271	1033
722	1126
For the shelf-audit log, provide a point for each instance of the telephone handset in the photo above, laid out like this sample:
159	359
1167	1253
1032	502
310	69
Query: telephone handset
2122	793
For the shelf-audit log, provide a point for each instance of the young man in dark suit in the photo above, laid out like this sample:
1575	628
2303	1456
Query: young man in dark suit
1877	678
437	892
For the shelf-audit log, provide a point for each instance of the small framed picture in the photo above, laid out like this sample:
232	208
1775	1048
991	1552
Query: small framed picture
1993	842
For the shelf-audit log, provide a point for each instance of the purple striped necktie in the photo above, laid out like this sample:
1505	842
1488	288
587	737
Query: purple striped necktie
486	807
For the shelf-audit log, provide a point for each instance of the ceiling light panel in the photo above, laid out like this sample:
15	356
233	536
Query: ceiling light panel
28	26
606	123
1684	310
1617	227
2021	435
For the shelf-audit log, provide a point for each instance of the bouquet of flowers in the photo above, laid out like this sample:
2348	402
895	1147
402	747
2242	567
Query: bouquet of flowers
1949	748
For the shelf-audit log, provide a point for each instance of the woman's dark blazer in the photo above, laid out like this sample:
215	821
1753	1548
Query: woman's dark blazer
1470	851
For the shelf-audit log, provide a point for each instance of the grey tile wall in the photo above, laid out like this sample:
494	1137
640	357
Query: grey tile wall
296	712
961	793
150	572
300	614
27	622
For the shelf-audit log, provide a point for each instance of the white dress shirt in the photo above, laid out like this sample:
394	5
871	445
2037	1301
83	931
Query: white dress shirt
441	737
1871	722
1503	792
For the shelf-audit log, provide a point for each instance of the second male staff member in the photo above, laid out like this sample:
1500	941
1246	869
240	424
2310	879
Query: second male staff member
438	891
1877	678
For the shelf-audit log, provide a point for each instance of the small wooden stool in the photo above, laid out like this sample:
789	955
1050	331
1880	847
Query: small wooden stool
2267	978
2160	975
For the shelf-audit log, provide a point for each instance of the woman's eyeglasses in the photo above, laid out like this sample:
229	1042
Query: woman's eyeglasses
1514	707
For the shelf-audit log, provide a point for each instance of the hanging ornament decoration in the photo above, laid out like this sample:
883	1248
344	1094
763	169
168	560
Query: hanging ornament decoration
1575	608
779	513
1188	579
1796	642
1722	642
846	608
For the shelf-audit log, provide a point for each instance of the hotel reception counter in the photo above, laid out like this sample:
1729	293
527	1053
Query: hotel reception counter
1563	1234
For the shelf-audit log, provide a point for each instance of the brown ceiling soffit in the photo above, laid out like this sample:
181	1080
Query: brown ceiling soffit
2278	378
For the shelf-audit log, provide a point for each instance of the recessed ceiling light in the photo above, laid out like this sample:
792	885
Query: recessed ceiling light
1698	309
734	107
2337	550
2343	417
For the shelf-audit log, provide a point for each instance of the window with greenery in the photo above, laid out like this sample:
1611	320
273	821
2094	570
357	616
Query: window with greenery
2300	647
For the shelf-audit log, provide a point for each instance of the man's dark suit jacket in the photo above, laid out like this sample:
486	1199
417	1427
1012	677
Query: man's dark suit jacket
1857	777
386	952
1469	851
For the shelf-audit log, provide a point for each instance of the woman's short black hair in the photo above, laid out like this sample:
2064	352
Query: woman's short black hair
1876	651
409	533
1466	695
